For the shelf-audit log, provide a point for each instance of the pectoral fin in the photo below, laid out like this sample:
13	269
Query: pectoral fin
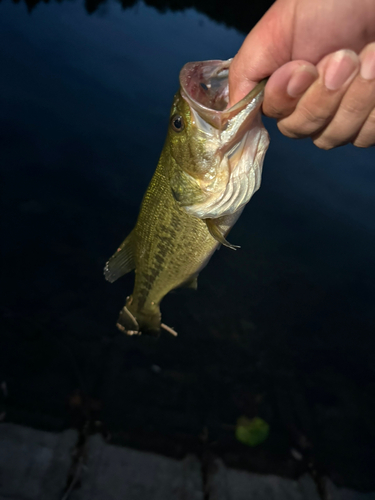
213	226
122	261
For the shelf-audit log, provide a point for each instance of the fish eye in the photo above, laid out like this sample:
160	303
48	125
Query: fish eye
177	123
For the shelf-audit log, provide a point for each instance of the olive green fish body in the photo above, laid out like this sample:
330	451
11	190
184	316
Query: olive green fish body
209	168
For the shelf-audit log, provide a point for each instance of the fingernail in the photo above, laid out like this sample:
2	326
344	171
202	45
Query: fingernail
301	80
342	65
368	63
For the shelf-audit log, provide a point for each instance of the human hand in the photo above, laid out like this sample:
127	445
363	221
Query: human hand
339	103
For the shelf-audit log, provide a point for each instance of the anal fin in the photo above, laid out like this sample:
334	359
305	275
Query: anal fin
215	232
122	261
191	282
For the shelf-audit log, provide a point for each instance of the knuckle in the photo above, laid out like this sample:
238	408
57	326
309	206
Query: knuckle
289	130
370	122
366	136
329	138
274	110
353	107
324	144
328	142
305	122
364	141
317	117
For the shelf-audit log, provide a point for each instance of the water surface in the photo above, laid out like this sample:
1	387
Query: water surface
282	329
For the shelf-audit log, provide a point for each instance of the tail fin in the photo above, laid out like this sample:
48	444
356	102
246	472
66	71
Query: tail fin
133	322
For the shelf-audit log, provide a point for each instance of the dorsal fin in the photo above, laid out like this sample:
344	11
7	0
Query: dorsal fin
215	232
122	261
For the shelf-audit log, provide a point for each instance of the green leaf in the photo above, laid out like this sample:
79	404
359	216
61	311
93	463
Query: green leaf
252	431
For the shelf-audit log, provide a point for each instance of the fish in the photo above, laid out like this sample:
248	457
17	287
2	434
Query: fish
209	168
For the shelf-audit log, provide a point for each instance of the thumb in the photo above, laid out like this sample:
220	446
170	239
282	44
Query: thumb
267	47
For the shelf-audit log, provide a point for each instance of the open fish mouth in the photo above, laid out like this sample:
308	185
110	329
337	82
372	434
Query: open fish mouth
238	134
204	85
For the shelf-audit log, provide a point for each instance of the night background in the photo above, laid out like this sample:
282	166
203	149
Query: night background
283	329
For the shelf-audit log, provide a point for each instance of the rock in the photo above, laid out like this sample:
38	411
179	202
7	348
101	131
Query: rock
34	464
230	484
114	473
335	493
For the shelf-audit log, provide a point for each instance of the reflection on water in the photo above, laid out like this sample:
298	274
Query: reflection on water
239	14
282	329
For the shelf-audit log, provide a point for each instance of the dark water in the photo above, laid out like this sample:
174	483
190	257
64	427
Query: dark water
282	329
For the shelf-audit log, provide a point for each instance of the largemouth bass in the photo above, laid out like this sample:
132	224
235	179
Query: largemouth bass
209	168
